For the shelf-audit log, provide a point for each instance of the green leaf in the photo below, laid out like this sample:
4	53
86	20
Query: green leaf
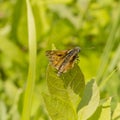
67	90
59	109
55	84
60	85
89	102
103	112
75	79
116	113
106	110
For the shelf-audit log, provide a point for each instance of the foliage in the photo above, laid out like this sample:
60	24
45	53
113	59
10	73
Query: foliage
92	25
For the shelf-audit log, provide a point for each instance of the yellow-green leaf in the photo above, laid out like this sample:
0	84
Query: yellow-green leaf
60	85
67	90
89	102
116	113
103	112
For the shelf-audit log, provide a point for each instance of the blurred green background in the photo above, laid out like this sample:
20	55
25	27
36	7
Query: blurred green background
94	25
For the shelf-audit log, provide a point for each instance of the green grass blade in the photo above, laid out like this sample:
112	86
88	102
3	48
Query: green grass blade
108	48
32	64
16	18
111	71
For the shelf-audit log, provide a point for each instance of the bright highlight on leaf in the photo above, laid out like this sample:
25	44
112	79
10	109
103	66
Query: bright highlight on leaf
89	102
116	113
103	112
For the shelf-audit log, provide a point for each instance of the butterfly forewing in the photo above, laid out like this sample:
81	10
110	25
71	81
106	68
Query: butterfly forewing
56	57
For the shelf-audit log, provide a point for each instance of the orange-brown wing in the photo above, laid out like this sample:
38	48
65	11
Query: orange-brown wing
56	57
65	67
69	61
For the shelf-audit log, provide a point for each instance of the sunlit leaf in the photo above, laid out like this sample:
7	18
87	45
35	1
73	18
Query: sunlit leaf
116	113
89	102
103	112
106	110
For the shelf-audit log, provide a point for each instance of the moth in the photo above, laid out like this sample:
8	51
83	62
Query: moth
63	60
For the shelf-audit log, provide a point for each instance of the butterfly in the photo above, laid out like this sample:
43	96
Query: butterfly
63	60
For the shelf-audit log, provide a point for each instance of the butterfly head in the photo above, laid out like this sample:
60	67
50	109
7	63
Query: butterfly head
77	49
